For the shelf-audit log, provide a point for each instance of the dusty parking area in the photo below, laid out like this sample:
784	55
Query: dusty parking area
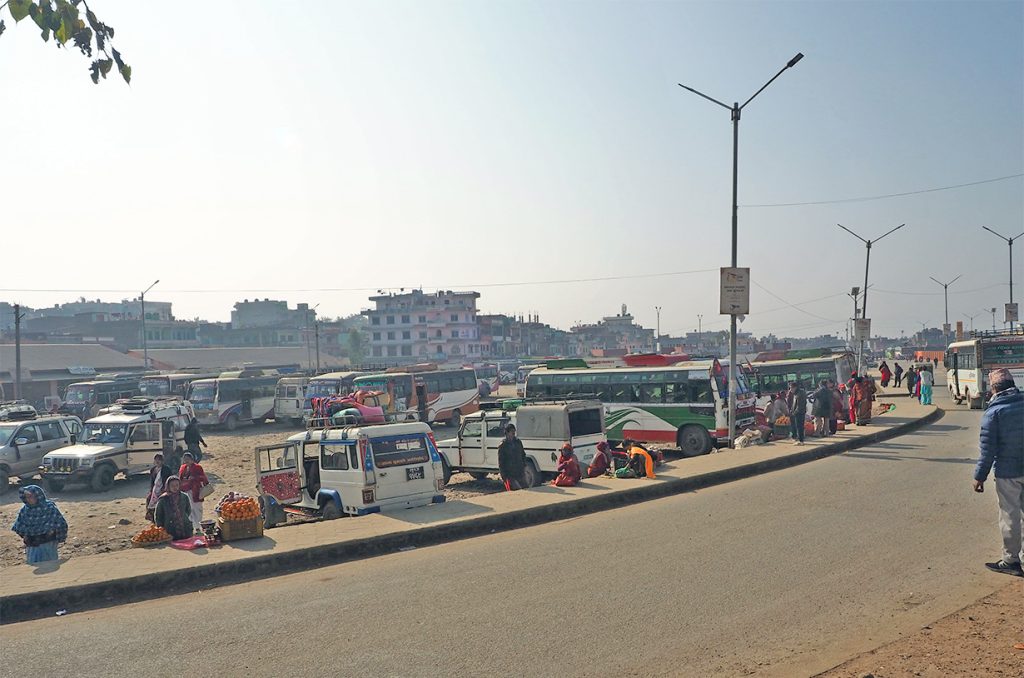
99	523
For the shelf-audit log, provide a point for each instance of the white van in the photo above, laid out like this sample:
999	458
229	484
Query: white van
351	470
123	439
542	428
289	399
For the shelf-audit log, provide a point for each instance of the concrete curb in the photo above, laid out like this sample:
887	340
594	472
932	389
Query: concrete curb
35	605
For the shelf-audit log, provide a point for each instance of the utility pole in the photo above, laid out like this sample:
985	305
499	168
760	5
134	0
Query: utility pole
945	294
972	317
657	340
867	263
853	294
700	331
1009	241
145	343
993	312
17	351
734	112
317	346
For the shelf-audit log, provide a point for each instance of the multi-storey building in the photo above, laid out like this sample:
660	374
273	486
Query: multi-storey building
420	327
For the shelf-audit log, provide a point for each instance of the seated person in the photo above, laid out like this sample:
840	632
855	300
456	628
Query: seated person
640	460
568	468
602	461
174	510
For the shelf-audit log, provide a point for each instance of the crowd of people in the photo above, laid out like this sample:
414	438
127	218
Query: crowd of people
830	404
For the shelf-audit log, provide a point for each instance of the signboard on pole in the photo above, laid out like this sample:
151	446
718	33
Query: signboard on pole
1009	313
862	329
945	329
959	330
734	297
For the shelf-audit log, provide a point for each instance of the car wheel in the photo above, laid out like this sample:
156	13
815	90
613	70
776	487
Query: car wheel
532	476
478	475
54	485
446	470
103	478
232	422
5	480
330	511
693	441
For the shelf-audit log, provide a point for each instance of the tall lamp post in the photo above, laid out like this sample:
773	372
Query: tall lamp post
993	312
700	330
1009	241
971	318
945	294
657	340
145	344
853	294
867	263
735	111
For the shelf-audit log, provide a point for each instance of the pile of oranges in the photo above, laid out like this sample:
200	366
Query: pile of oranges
782	421
240	509
151	535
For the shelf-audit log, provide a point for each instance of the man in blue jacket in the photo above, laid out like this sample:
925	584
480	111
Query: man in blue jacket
1002	445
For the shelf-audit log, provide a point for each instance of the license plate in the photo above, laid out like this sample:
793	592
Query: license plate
414	473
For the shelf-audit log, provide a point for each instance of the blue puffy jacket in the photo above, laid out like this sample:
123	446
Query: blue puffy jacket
1002	436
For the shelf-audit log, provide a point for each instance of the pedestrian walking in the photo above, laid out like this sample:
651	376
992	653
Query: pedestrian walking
174	510
193	438
898	374
193	480
40	524
822	409
911	380
886	373
796	399
837	407
851	400
158	476
1001	444
927	380
512	460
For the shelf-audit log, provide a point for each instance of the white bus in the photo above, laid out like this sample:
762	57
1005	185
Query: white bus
522	372
489	377
157	385
772	375
234	398
289	398
323	385
684	403
968	363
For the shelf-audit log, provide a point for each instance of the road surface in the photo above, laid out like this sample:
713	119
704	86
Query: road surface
783	574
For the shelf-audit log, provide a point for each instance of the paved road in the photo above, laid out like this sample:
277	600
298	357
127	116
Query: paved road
784	574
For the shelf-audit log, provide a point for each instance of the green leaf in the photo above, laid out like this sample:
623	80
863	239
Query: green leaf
122	67
2	27
68	21
19	8
105	65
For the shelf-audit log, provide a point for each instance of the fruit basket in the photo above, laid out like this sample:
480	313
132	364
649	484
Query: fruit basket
151	536
239	518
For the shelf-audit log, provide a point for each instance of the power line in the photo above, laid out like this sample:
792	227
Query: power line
794	306
938	294
888	195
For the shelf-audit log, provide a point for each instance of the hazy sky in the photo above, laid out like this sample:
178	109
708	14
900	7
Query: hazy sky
266	148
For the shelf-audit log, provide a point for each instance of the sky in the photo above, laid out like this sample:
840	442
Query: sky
319	151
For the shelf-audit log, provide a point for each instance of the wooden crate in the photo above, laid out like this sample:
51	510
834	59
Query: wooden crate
231	530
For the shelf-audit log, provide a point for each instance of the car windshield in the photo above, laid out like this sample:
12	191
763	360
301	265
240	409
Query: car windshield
6	430
322	388
105	434
203	392
154	387
78	394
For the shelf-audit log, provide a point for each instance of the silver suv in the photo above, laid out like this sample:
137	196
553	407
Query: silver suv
25	438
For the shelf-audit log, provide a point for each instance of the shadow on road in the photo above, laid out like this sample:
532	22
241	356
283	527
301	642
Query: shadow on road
904	457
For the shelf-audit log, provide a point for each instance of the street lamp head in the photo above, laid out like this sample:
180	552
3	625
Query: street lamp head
792	62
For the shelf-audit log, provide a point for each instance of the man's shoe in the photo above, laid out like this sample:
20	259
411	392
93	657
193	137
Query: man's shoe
1004	567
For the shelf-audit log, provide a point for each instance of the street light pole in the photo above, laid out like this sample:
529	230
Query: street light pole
735	111
1009	241
867	263
971	318
657	340
853	294
145	342
945	294
993	312
700	331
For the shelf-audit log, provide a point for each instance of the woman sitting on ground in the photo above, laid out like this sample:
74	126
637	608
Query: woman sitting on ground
602	461
568	468
640	460
174	511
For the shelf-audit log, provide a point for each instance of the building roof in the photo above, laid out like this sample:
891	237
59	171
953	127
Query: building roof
236	358
55	361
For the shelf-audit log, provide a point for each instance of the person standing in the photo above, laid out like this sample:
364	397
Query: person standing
822	409
174	510
193	438
837	407
886	373
850	383
797	402
1001	445
193	480
927	380
911	380
40	524
158	476
898	374
512	460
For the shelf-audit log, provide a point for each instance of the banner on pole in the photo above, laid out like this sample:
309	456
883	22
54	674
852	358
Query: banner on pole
862	329
1010	313
734	296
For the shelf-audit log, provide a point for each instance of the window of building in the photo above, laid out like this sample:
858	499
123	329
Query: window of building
423	335
407	350
392	351
455	334
405	319
375	320
390	320
440	349
437	334
406	335
455	317
423	318
376	336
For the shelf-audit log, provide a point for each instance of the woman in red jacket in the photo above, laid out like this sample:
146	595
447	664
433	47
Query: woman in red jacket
193	479
568	468
602	461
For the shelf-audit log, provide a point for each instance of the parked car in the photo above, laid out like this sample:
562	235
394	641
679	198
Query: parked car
26	438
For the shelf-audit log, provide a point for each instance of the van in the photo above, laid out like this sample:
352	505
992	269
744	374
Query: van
349	470
289	398
542	427
123	439
26	438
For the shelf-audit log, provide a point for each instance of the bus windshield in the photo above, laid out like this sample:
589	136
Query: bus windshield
203	392
154	386
78	394
322	387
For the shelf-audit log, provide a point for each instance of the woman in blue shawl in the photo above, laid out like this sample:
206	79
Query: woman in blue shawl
40	525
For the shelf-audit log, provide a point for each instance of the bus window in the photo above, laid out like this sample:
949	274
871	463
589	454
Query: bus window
651	393
676	393
700	392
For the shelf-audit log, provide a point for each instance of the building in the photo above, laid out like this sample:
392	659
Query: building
101	311
420	327
221	359
615	332
268	313
48	369
496	336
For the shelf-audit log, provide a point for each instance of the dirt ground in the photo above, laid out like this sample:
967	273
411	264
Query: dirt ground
95	520
976	641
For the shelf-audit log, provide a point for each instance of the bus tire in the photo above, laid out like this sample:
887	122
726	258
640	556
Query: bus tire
330	511
475	475
693	441
102	478
532	476
232	422
456	419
